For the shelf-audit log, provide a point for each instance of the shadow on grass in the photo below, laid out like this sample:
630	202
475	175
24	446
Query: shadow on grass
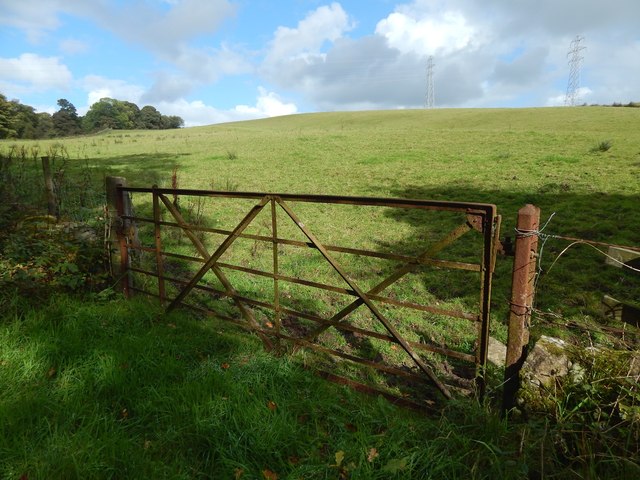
572	282
117	388
140	170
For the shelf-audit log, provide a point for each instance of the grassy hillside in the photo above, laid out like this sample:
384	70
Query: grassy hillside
503	156
100	388
556	158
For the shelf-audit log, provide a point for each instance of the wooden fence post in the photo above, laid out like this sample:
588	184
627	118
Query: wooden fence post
119	205
522	293
52	202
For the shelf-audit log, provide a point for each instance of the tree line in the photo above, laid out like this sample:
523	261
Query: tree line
21	121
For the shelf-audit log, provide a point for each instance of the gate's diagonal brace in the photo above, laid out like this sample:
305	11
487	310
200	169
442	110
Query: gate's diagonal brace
210	263
394	277
202	250
365	299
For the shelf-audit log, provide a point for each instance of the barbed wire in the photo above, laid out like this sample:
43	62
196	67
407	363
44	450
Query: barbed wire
576	241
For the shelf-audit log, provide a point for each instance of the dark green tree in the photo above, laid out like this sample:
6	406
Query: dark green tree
24	120
45	128
102	114
150	118
6	124
172	121
66	121
130	114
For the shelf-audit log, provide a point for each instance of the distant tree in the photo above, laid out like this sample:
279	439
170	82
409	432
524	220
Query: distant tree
6	124
112	113
102	114
172	121
66	121
130	114
45	128
24	120
150	118
123	115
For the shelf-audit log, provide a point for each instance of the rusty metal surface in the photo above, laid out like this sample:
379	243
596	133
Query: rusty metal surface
478	217
466	207
422	260
522	291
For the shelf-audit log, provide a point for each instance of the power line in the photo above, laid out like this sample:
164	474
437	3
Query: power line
575	63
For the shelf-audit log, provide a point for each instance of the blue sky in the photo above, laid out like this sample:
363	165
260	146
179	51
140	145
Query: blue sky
213	61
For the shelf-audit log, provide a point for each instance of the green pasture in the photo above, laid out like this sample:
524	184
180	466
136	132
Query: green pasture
139	394
580	163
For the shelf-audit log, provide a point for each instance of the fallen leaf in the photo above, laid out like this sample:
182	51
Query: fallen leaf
237	473
339	457
269	475
225	366
271	405
351	427
294	460
373	453
52	372
395	465
171	325
147	444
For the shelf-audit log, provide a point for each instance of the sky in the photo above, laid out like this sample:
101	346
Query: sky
213	61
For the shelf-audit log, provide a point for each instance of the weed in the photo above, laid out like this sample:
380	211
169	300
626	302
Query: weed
603	146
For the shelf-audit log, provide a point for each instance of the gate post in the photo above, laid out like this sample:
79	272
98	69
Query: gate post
119	205
522	292
52	201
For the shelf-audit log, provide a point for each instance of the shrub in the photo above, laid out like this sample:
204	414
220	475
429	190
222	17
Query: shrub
40	258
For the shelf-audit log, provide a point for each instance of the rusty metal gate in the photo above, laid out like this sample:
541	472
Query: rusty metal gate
274	317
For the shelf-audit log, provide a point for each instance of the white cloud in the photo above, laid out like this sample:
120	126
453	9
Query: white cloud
32	16
325	24
196	113
441	33
31	72
98	87
269	104
583	95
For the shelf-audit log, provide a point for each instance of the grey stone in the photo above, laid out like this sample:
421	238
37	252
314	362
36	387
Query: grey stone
546	362
497	352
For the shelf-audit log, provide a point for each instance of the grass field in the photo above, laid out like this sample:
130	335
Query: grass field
551	157
105	389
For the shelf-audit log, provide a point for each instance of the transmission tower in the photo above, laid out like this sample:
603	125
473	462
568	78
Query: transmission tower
429	102
575	63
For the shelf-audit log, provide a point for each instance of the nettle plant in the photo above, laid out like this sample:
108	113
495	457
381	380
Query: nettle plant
40	257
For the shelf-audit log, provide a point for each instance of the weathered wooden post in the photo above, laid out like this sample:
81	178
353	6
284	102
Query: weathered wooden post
522	293
119	205
52	202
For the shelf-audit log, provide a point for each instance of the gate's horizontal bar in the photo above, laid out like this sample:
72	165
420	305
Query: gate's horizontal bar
473	267
340	325
331	288
466	207
345	291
